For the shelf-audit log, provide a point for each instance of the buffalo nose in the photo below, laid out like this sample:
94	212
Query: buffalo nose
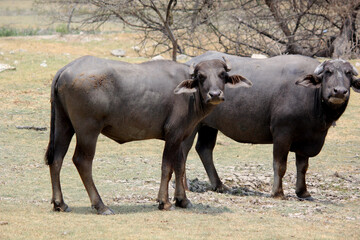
215	93
340	91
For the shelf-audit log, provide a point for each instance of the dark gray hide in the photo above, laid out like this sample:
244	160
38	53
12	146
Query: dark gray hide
293	102
127	102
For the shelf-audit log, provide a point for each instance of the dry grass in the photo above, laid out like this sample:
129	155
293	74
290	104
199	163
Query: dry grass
128	175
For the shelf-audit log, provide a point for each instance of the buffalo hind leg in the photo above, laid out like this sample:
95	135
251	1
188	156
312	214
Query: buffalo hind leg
63	134
83	159
204	147
302	164
280	154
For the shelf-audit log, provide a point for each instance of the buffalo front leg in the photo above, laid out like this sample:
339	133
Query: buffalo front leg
302	164
166	172
179	166
173	159
83	158
280	153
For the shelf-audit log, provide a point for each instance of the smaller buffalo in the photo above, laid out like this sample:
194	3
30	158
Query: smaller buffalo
293	102
128	102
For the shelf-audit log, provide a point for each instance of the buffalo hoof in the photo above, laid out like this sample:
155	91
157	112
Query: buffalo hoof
106	211
61	207
279	196
184	203
309	198
222	189
103	210
305	195
167	206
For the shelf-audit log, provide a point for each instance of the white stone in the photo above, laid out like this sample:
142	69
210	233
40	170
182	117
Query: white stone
258	56
136	48
182	57
158	57
43	64
4	67
118	52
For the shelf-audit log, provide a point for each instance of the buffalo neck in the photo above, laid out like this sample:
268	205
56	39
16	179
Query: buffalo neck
198	107
325	111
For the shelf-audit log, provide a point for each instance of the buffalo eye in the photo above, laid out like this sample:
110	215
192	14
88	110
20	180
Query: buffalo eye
223	75
328	71
348	73
201	77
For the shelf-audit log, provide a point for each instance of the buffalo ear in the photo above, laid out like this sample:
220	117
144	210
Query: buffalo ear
236	81
310	80
186	86
355	84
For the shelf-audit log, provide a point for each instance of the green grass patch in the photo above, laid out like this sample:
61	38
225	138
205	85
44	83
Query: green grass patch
8	31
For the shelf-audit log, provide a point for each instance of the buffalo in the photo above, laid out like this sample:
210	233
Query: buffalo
293	102
128	102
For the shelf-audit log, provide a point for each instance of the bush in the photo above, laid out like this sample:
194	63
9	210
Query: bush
7	32
62	29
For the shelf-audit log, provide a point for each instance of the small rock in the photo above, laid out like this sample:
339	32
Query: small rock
158	57
43	64
3	223
136	48
357	64
118	53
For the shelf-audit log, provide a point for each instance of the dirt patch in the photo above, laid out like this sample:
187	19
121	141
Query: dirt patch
334	188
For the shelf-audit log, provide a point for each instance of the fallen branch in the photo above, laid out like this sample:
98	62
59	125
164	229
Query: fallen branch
32	128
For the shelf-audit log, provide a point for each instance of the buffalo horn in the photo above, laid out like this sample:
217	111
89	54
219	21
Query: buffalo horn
227	64
319	69
192	69
354	71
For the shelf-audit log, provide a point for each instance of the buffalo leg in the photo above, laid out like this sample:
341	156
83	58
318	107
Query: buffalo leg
302	164
63	135
187	144
280	153
166	172
173	159
204	147
83	158
179	167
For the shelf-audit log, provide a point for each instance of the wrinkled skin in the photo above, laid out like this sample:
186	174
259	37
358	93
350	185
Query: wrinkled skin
292	103
128	102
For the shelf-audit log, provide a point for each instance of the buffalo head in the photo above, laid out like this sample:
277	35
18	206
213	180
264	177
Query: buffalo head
334	77
209	78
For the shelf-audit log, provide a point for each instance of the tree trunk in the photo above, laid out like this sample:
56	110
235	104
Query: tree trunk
346	44
70	18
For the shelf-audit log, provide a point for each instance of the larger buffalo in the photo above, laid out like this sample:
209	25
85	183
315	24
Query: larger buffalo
292	103
127	102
